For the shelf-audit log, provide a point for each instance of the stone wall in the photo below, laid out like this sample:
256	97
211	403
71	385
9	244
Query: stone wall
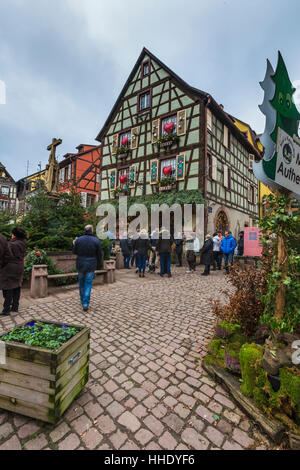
65	260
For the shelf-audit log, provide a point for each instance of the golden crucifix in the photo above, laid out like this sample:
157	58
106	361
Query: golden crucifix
52	169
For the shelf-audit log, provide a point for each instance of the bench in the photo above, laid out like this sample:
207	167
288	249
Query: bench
40	277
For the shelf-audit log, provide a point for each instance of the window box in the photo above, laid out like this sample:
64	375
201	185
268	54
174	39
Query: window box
121	191
166	141
40	382
167	183
122	152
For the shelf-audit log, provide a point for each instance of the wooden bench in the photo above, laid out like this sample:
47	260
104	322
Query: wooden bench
40	277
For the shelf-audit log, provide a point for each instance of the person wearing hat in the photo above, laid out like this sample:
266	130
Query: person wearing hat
207	256
141	246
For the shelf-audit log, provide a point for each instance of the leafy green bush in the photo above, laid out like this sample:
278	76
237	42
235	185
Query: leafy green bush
40	334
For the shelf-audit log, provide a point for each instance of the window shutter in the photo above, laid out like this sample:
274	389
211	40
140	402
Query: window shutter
154	172
115	144
214	168
112	179
209	120
155	130
181	122
83	199
131	178
180	167
69	172
251	160
134	138
229	178
225	176
225	137
249	192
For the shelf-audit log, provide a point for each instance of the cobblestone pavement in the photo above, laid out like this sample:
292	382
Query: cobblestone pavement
147	389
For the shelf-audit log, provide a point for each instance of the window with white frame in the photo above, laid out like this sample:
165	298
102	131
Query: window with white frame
144	101
125	139
168	163
166	121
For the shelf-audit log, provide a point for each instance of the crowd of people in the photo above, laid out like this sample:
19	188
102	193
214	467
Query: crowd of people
141	250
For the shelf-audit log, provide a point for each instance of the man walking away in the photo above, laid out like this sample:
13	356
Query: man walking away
164	248
207	254
179	249
228	245
126	249
89	258
217	252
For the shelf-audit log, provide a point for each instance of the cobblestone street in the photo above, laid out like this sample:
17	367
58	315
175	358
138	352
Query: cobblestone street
147	389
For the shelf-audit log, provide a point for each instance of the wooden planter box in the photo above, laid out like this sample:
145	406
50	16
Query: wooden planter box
41	383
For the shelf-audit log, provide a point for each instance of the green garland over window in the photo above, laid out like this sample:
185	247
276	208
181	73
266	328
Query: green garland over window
170	198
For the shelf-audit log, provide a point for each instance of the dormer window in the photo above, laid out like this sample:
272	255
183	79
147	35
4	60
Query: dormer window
146	68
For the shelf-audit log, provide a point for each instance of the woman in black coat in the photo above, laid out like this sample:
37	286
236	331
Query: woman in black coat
207	255
142	245
11	276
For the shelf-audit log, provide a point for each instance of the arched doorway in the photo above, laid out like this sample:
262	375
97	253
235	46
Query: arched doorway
222	223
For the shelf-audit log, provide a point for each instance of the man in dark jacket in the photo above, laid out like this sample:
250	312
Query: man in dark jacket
179	249
141	246
164	248
126	249
89	258
240	244
11	275
207	254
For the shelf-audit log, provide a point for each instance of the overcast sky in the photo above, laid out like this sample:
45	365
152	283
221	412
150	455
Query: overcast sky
64	62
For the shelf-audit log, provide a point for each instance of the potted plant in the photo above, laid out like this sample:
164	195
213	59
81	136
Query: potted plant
122	151
168	181
46	365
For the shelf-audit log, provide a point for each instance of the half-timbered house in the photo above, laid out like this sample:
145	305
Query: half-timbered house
8	191
81	171
165	135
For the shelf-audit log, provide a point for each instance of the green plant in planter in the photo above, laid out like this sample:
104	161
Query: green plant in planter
41	334
122	149
167	181
174	138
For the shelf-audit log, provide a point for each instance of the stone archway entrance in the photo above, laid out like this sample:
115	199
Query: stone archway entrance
222	222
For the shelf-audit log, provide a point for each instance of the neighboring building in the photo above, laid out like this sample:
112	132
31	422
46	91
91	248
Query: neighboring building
28	185
78	170
253	138
82	171
8	191
209	154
